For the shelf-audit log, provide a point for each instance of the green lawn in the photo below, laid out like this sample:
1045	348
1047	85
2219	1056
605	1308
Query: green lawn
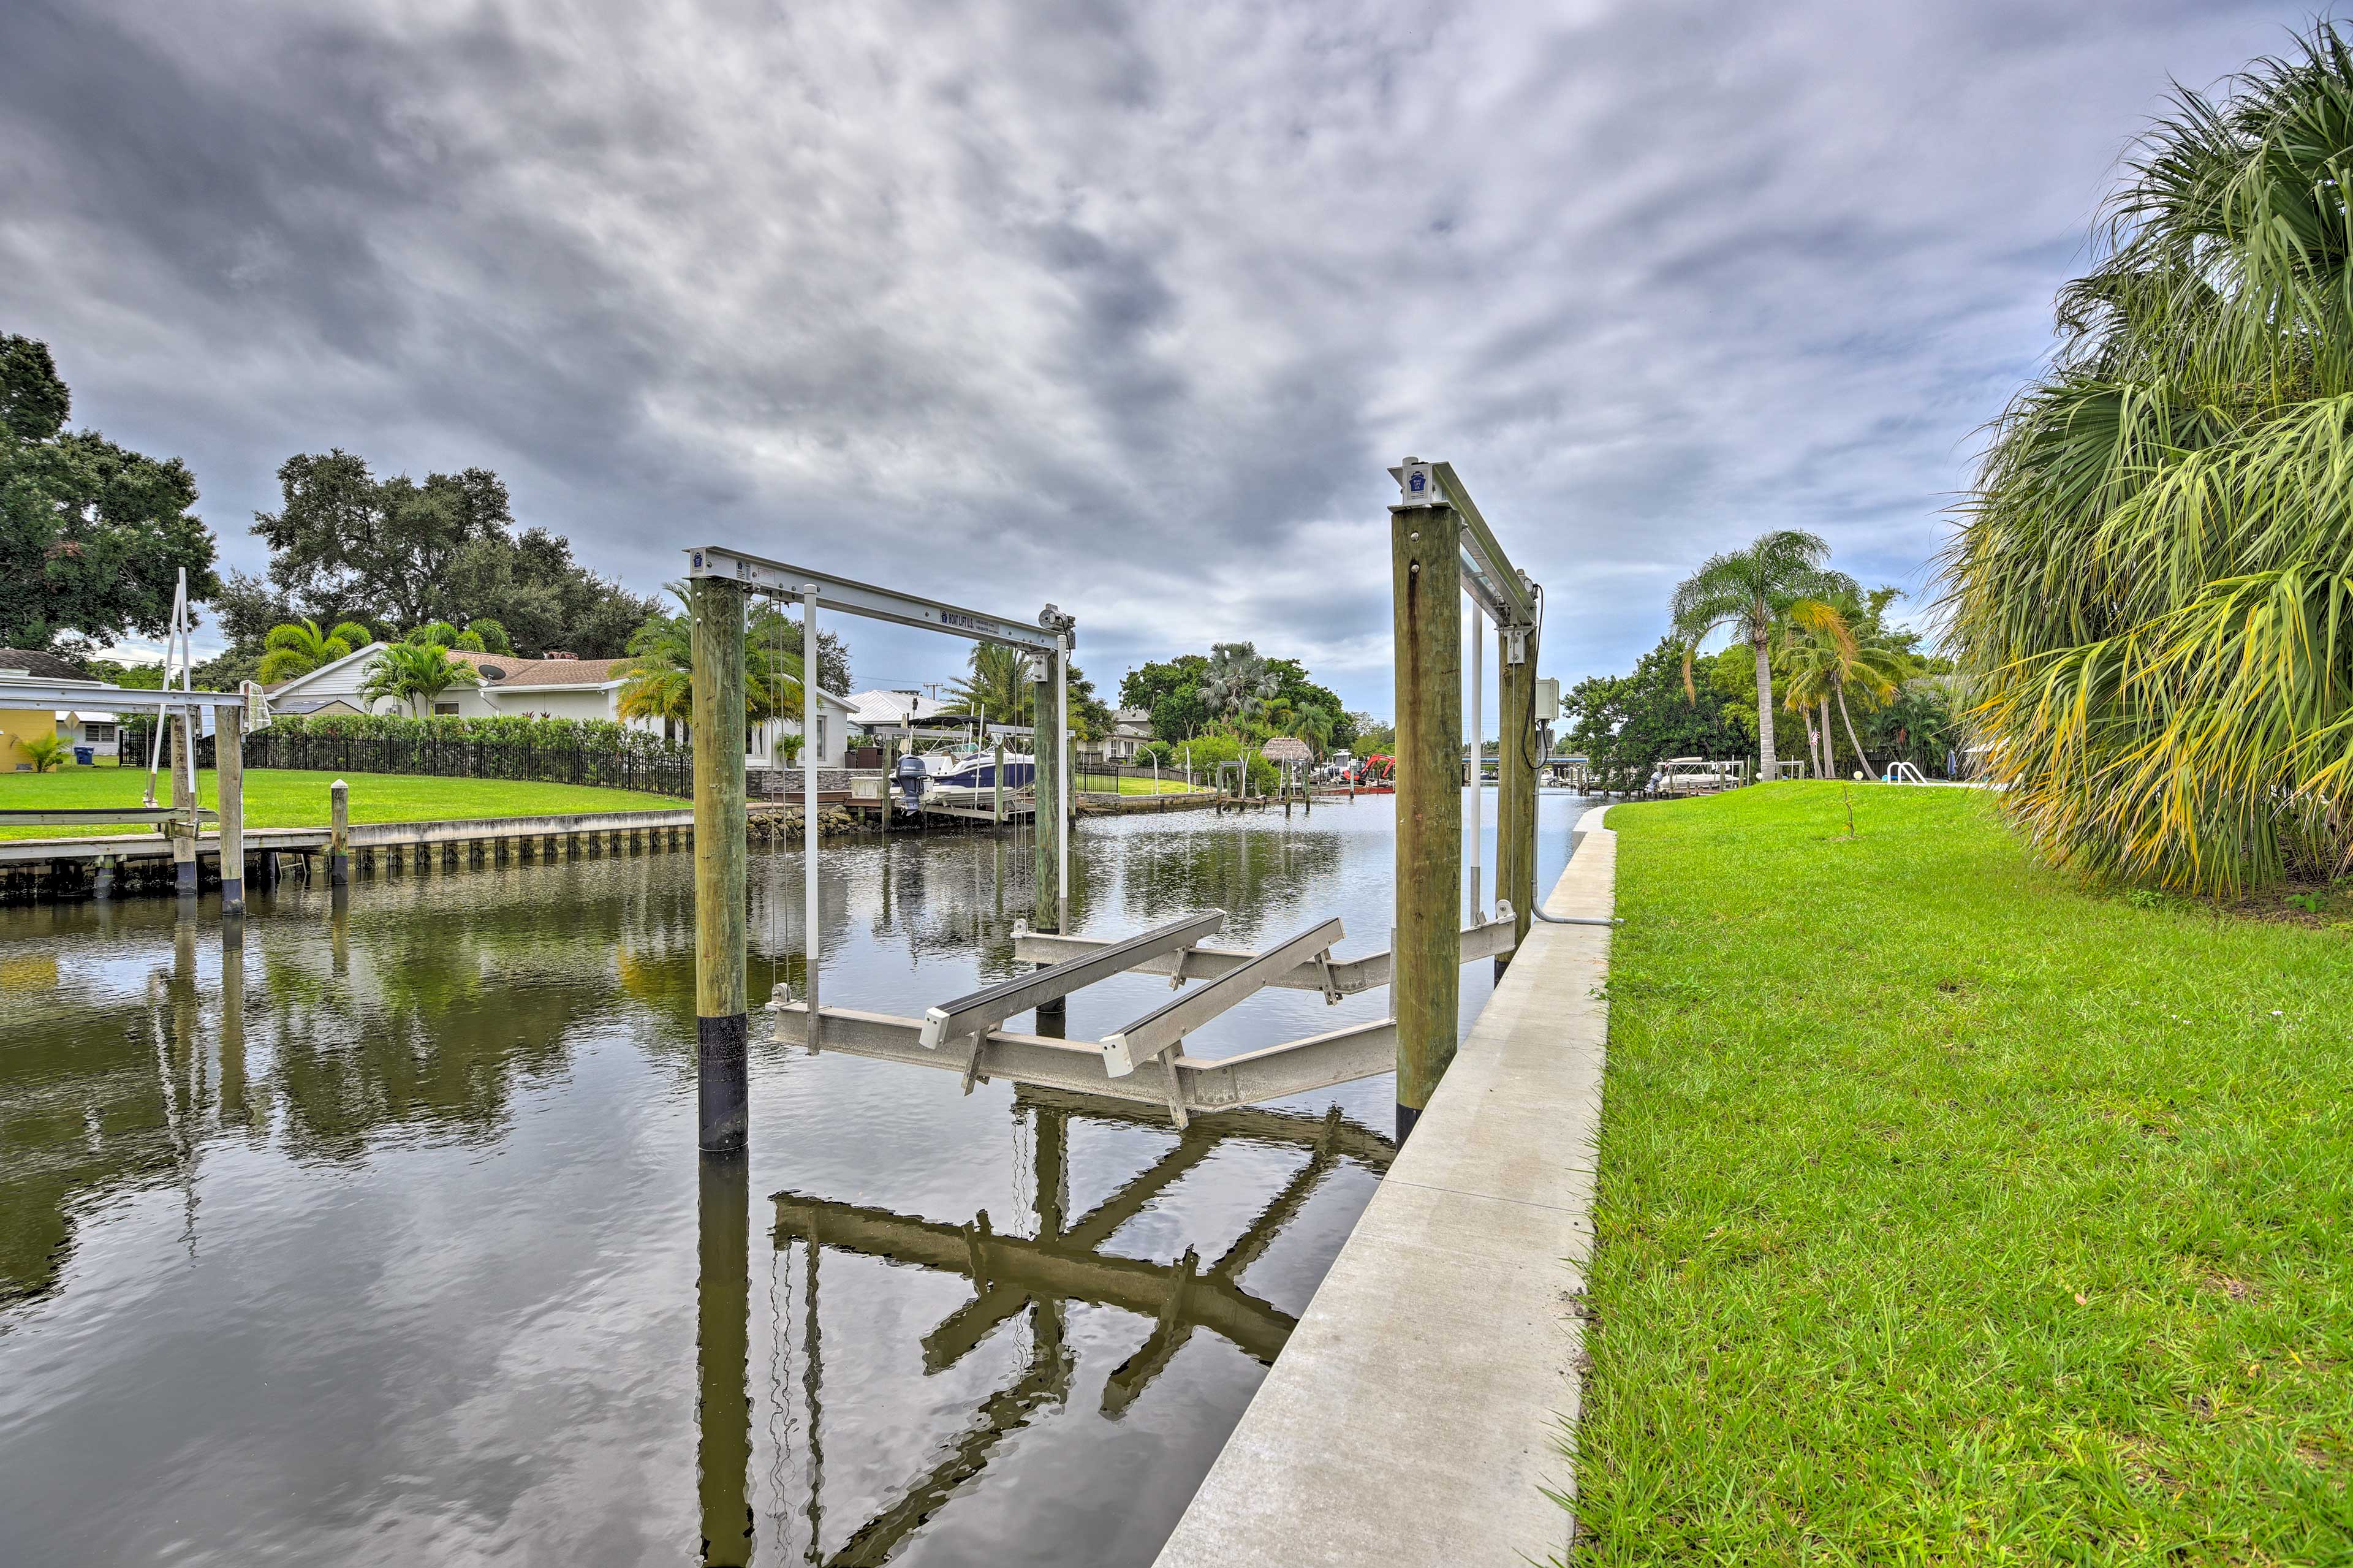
1951	1214
291	798
1102	784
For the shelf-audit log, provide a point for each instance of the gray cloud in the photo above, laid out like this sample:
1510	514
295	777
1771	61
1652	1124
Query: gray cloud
1126	308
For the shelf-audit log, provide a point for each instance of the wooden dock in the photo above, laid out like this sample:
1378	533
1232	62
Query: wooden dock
392	844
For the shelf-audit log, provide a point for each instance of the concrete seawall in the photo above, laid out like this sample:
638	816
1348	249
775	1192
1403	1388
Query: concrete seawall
1416	1416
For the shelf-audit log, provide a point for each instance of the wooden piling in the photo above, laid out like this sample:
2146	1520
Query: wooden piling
339	835
229	769
997	810
1046	841
1516	786
183	805
1427	977
722	1026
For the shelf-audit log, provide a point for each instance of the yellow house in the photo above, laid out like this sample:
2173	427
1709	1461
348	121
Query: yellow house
20	724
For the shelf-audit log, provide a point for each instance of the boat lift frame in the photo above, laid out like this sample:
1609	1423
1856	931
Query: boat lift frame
722	1027
1442	548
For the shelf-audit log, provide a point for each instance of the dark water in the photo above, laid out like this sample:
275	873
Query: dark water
378	1235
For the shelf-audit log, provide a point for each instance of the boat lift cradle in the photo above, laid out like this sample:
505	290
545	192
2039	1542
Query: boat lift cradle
1143	1063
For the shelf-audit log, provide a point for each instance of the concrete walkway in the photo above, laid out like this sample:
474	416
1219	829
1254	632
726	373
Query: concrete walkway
1416	1416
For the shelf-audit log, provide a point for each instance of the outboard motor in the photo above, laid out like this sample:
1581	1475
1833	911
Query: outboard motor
911	776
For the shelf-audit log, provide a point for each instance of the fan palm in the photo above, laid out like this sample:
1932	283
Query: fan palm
2151	593
1752	593
1236	681
297	647
415	673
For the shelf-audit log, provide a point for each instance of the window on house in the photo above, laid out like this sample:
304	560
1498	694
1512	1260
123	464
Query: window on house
97	734
445	708
821	734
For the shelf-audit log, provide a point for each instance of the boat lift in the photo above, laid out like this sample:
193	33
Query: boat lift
1442	548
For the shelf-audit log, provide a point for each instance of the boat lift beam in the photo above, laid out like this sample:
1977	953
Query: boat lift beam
1166	1026
1340	976
1491	580
877	604
985	1009
1182	1085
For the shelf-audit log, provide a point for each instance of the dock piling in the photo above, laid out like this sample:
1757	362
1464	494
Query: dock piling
1426	983
1515	784
183	802
1046	842
228	769
721	1025
339	835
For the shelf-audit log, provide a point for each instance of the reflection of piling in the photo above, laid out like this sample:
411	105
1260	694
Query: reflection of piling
721	1029
723	1354
1427	980
339	833
232	1021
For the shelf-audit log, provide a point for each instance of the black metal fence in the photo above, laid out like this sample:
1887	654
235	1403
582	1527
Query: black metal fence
539	751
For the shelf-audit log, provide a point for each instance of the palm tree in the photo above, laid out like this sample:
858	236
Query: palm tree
658	678
297	647
1828	647
1752	592
1236	681
996	685
2151	594
415	673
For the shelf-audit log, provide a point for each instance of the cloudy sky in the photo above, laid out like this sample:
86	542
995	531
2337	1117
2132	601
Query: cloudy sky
1123	307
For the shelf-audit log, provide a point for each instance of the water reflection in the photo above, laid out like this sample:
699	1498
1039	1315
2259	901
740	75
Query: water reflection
362	1229
1034	1276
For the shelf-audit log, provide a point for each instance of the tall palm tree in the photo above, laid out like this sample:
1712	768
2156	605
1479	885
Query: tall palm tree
1829	647
996	686
2151	594
1752	592
415	673
297	647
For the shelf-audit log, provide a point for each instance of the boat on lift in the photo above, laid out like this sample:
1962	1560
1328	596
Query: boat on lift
963	775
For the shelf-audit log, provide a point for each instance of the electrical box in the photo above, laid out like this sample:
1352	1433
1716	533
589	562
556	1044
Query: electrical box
1548	699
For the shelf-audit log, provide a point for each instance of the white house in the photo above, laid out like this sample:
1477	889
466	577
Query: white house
559	687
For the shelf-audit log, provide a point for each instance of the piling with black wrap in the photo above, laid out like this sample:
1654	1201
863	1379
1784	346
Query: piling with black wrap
721	1027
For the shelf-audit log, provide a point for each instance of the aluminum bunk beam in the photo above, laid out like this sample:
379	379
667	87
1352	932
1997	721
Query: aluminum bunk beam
983	1010
1342	977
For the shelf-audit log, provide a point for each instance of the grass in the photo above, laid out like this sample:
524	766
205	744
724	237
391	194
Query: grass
1127	784
290	797
1952	1213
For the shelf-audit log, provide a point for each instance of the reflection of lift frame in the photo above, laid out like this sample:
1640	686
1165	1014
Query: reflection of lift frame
1014	1274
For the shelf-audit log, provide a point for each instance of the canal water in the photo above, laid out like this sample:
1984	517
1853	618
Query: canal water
378	1235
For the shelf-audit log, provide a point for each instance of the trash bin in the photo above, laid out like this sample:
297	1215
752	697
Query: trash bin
84	756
